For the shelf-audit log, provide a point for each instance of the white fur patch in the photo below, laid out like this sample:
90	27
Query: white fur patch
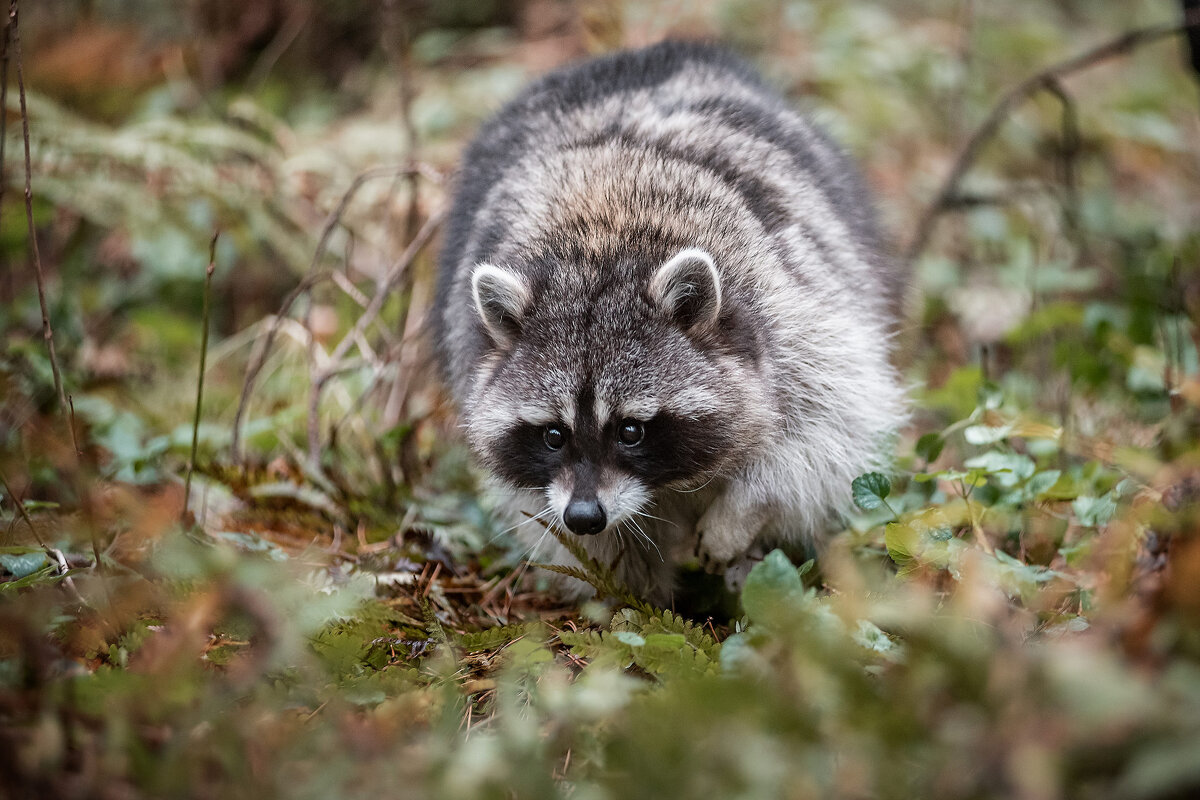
536	415
640	408
498	293
695	401
558	495
690	272
602	411
622	497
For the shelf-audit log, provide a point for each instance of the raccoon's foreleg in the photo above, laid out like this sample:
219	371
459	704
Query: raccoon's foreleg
728	529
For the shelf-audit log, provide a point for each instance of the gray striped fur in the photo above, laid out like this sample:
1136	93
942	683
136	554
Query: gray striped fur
654	237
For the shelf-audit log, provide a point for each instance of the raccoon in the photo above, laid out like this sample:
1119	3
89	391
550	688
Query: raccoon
664	313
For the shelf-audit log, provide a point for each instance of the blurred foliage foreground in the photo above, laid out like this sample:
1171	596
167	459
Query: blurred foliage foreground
1015	612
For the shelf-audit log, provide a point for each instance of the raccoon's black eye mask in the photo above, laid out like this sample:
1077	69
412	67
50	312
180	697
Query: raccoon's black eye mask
663	450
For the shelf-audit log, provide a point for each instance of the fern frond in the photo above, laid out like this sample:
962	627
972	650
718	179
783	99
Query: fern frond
493	638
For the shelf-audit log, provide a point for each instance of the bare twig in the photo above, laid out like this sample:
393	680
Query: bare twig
383	288
208	276
47	332
1044	80
315	370
395	409
387	283
259	358
22	511
297	18
3	104
335	216
1068	152
60	560
349	289
64	569
397	44
71	422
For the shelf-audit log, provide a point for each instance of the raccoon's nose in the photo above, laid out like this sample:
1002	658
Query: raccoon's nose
585	516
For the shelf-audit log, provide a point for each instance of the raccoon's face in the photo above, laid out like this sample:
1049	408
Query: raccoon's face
602	388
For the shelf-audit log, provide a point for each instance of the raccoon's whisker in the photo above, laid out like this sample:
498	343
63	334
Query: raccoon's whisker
645	536
535	518
701	486
648	515
530	554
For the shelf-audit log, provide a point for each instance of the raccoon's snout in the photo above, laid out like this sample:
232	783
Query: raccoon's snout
585	516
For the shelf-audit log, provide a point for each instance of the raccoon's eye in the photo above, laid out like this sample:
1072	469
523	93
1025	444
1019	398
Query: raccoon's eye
631	432
554	438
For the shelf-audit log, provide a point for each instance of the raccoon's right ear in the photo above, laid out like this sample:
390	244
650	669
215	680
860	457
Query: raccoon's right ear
501	299
688	289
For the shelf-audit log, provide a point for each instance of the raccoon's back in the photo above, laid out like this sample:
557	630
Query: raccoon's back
687	104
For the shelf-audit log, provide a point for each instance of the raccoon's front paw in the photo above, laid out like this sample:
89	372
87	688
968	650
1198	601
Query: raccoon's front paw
715	550
722	538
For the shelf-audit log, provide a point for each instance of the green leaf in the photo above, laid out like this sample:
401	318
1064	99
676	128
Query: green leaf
48	573
990	395
1064	488
1094	511
1007	469
870	490
773	585
982	435
900	539
630	638
665	641
1016	578
929	447
21	565
1042	481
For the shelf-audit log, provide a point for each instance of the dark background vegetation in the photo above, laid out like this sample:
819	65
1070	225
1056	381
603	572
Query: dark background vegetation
299	591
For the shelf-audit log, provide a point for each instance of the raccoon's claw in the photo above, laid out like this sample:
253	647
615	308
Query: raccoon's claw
712	556
725	533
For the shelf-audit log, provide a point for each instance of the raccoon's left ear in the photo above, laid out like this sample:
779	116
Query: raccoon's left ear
688	289
501	299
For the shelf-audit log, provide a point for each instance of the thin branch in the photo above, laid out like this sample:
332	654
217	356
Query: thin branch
387	283
398	32
60	560
259	359
292	27
71	422
320	380
349	289
383	289
47	332
1044	80
3	105
335	216
208	276
1068	152
23	512
397	44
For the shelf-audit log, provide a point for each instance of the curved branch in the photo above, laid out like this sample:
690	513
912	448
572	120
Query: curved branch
1047	79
